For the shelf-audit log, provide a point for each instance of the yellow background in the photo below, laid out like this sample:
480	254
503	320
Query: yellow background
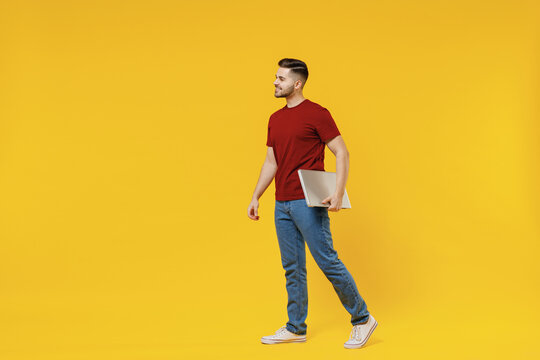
132	135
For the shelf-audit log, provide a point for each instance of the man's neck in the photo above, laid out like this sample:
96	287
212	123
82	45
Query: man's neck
294	101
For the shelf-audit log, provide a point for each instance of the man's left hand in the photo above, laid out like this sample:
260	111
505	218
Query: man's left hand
335	202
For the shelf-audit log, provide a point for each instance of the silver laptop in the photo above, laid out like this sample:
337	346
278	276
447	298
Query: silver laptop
318	185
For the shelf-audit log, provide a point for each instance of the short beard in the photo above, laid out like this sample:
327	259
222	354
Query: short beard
283	94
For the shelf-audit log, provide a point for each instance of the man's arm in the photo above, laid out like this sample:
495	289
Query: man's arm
337	146
268	171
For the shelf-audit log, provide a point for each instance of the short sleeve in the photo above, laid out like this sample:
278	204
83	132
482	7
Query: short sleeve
268	136
326	126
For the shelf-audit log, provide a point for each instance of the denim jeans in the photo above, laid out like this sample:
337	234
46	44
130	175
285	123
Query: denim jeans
295	223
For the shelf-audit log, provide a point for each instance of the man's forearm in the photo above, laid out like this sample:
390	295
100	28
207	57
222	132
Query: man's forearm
342	171
268	171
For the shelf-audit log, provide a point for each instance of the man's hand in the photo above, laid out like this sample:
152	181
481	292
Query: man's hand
335	202
253	208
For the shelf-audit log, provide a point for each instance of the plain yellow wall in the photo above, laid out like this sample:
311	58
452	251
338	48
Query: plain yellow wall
132	134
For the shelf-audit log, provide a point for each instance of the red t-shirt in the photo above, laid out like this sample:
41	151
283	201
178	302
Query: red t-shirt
297	136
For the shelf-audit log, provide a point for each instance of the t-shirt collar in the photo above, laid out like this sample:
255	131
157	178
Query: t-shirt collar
294	107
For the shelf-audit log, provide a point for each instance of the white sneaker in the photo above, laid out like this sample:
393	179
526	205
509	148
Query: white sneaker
283	336
360	333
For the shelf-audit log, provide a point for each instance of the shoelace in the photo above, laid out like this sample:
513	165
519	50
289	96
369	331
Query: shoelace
281	330
355	334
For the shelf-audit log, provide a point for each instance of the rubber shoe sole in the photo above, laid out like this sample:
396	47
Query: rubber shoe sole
271	341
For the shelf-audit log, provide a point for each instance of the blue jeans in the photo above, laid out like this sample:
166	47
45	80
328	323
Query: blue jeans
296	223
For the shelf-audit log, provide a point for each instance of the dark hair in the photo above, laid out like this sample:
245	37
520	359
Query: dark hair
297	66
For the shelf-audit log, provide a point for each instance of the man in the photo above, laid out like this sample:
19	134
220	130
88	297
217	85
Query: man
296	139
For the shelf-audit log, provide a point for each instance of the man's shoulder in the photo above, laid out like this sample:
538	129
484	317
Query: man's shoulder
277	112
314	104
316	107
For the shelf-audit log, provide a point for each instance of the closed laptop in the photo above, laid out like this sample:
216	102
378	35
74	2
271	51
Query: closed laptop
318	185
